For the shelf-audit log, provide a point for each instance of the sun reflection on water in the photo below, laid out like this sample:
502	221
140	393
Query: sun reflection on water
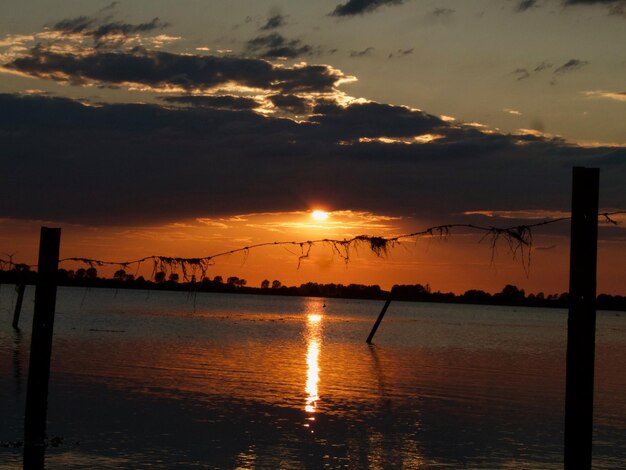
312	375
313	336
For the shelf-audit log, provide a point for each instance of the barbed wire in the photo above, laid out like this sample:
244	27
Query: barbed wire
519	239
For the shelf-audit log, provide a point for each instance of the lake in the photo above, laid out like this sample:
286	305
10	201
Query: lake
153	379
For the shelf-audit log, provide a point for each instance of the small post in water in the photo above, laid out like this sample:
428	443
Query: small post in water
41	349
20	288
378	320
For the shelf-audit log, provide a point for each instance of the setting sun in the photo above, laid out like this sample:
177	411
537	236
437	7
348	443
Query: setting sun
319	215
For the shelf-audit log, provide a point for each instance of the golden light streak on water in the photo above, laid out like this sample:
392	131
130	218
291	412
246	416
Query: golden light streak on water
314	318
312	375
314	340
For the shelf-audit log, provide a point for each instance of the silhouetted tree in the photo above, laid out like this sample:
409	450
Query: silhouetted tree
218	279
236	282
174	277
276	284
511	293
409	292
611	302
159	277
265	284
91	273
120	275
475	295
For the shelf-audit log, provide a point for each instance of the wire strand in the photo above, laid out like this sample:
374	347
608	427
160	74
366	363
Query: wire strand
519	238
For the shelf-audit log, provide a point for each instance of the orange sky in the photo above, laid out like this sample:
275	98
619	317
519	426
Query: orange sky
455	263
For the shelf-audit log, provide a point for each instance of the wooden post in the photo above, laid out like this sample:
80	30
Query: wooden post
378	320
41	349
21	287
581	323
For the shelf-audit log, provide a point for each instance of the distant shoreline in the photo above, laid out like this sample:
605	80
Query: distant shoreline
509	296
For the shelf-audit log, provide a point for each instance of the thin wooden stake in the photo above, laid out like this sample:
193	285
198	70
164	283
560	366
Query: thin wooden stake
21	287
581	324
378	320
41	349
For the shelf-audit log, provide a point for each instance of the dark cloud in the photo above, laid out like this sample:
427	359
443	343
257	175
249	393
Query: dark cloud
590	2
74	25
570	66
274	45
543	66
443	12
110	6
291	103
616	7
374	120
401	52
104	31
521	73
359	7
164	69
219	102
524	5
273	22
363	53
126	29
135	164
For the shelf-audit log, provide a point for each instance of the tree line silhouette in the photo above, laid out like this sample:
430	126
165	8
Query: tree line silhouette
509	295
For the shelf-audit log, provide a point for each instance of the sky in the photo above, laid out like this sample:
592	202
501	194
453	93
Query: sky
189	128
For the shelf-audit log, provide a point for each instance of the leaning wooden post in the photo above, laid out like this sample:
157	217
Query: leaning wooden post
581	323
41	349
21	287
378	320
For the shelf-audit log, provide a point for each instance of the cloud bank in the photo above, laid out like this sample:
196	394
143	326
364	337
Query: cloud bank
140	163
159	70
246	134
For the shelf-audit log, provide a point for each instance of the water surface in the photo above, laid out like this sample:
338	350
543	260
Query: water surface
167	380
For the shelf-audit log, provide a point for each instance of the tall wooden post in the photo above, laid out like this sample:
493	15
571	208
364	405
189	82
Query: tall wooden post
581	323
41	349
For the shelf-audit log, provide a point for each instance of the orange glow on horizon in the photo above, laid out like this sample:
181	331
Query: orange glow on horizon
456	263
